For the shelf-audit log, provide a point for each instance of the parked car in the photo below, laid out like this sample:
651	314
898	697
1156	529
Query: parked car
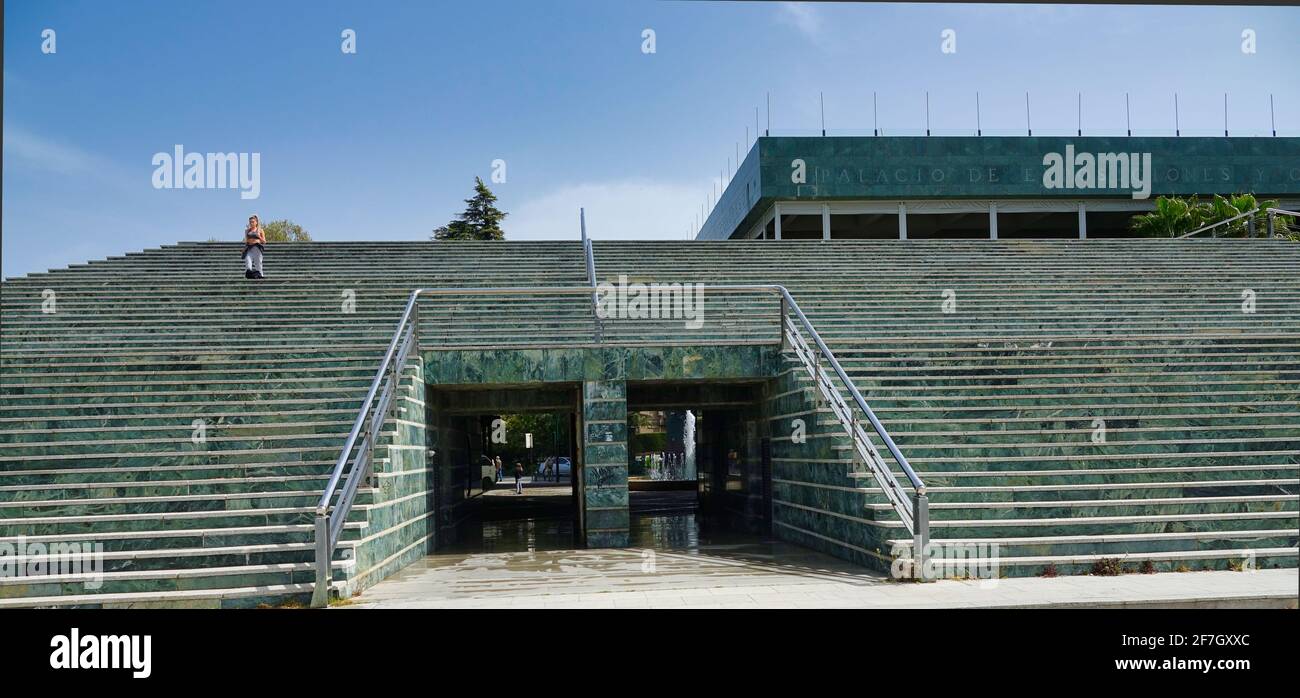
563	463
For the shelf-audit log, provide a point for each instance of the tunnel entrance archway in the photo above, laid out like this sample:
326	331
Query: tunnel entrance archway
726	490
730	495
481	508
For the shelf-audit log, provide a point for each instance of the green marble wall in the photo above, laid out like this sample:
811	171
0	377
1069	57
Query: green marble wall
816	502
604	374
603	478
497	368
400	525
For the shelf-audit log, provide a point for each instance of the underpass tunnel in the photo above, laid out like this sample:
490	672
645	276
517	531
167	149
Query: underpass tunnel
531	501
699	469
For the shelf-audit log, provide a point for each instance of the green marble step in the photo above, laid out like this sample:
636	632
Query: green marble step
162	580
363	362
77	491
1023	460
155	540
177	457
219	427
1017	493
1102	525
167	503
232	597
1132	562
1175	387
185	405
203	373
1129	421
1028	509
145	386
153	473
922	452
1098	475
199	353
114	561
1117	429
67	450
105	425
1115	544
57	523
1262	402
1047	363
958	404
868	379
262	394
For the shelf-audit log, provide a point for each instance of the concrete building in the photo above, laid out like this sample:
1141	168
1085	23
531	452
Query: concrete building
800	188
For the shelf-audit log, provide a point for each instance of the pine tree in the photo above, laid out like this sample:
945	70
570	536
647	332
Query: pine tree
480	221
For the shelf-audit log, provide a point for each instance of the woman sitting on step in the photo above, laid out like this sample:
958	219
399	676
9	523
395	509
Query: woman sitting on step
254	246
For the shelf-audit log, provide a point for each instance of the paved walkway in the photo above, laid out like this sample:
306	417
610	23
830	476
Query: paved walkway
776	575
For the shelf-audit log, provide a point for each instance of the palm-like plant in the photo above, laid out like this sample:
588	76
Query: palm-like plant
1172	217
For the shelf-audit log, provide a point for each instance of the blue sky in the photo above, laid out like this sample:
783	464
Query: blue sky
384	144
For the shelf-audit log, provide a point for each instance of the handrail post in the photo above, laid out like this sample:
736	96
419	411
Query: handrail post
590	254
920	533
1250	226
1271	215
780	325
320	595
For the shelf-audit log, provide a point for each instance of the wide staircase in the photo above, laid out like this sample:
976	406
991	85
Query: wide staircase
187	419
1134	402
1069	400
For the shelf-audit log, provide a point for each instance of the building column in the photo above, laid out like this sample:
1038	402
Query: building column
993	221
777	208
826	221
604	464
1083	221
902	221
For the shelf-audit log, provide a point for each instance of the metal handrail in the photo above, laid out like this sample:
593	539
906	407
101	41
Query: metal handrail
1273	214
591	272
329	529
373	413
1239	216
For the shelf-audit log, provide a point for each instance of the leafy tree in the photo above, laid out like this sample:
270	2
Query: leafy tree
1174	216
285	230
550	438
480	221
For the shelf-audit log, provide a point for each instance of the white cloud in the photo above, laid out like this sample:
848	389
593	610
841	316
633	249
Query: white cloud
637	209
50	156
803	17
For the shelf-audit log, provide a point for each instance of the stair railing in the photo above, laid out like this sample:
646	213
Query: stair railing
375	410
1214	227
1273	213
913	509
591	273
352	469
